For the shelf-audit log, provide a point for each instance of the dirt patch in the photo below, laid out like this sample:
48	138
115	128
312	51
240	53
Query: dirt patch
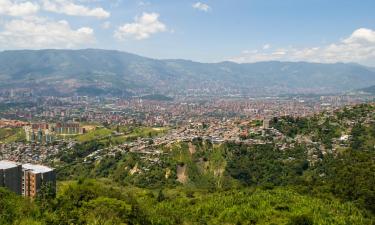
192	149
134	170
182	174
89	127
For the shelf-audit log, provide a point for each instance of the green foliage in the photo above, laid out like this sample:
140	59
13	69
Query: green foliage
103	210
102	202
349	177
16	210
266	165
291	126
8	135
248	206
301	220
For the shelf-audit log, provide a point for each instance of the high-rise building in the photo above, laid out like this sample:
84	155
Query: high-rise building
35	177
26	179
11	176
39	133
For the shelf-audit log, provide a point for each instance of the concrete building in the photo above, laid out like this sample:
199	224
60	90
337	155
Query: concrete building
266	123
39	135
68	128
11	176
35	177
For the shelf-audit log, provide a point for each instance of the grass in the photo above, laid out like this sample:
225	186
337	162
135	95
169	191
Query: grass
9	135
128	134
96	134
144	132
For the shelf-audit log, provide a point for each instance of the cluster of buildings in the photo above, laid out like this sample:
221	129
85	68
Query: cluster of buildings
46	133
135	111
33	152
27	179
12	123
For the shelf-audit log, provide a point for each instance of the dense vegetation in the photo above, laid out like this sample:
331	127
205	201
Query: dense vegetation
318	179
102	202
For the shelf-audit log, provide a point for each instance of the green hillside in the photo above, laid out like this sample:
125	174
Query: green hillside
318	179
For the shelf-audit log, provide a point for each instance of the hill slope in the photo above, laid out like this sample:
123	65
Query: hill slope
100	71
369	90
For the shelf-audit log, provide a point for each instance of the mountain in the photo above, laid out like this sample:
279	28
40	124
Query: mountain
97	72
369	90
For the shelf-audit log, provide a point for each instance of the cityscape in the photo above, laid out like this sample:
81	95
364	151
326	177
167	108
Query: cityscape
130	112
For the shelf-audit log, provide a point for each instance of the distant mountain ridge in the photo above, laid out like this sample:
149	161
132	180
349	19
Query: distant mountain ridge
369	90
94	71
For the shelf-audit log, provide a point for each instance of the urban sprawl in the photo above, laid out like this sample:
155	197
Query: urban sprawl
42	127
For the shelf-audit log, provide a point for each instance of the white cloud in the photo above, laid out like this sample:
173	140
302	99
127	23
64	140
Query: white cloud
13	8
266	46
358	47
142	28
361	35
201	6
41	33
70	8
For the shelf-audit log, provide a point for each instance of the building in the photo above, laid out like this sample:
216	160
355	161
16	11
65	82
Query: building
35	177
26	179
44	133
39	133
266	123
11	176
40	126
12	123
68	128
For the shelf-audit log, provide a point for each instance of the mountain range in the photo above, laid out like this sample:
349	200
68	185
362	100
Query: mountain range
101	72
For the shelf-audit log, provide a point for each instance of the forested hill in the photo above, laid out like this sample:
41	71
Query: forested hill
101	72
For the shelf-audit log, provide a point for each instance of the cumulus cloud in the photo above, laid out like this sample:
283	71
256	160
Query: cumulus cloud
201	6
358	47
142	28
13	8
42	33
70	8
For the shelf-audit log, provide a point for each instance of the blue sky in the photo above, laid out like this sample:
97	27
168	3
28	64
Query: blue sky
206	31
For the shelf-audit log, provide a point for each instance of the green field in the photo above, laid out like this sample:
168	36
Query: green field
9	135
124	134
96	134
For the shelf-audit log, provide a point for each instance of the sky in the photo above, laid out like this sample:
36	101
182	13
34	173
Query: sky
242	31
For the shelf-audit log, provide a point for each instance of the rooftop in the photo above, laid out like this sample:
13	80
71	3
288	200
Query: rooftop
37	168
4	164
